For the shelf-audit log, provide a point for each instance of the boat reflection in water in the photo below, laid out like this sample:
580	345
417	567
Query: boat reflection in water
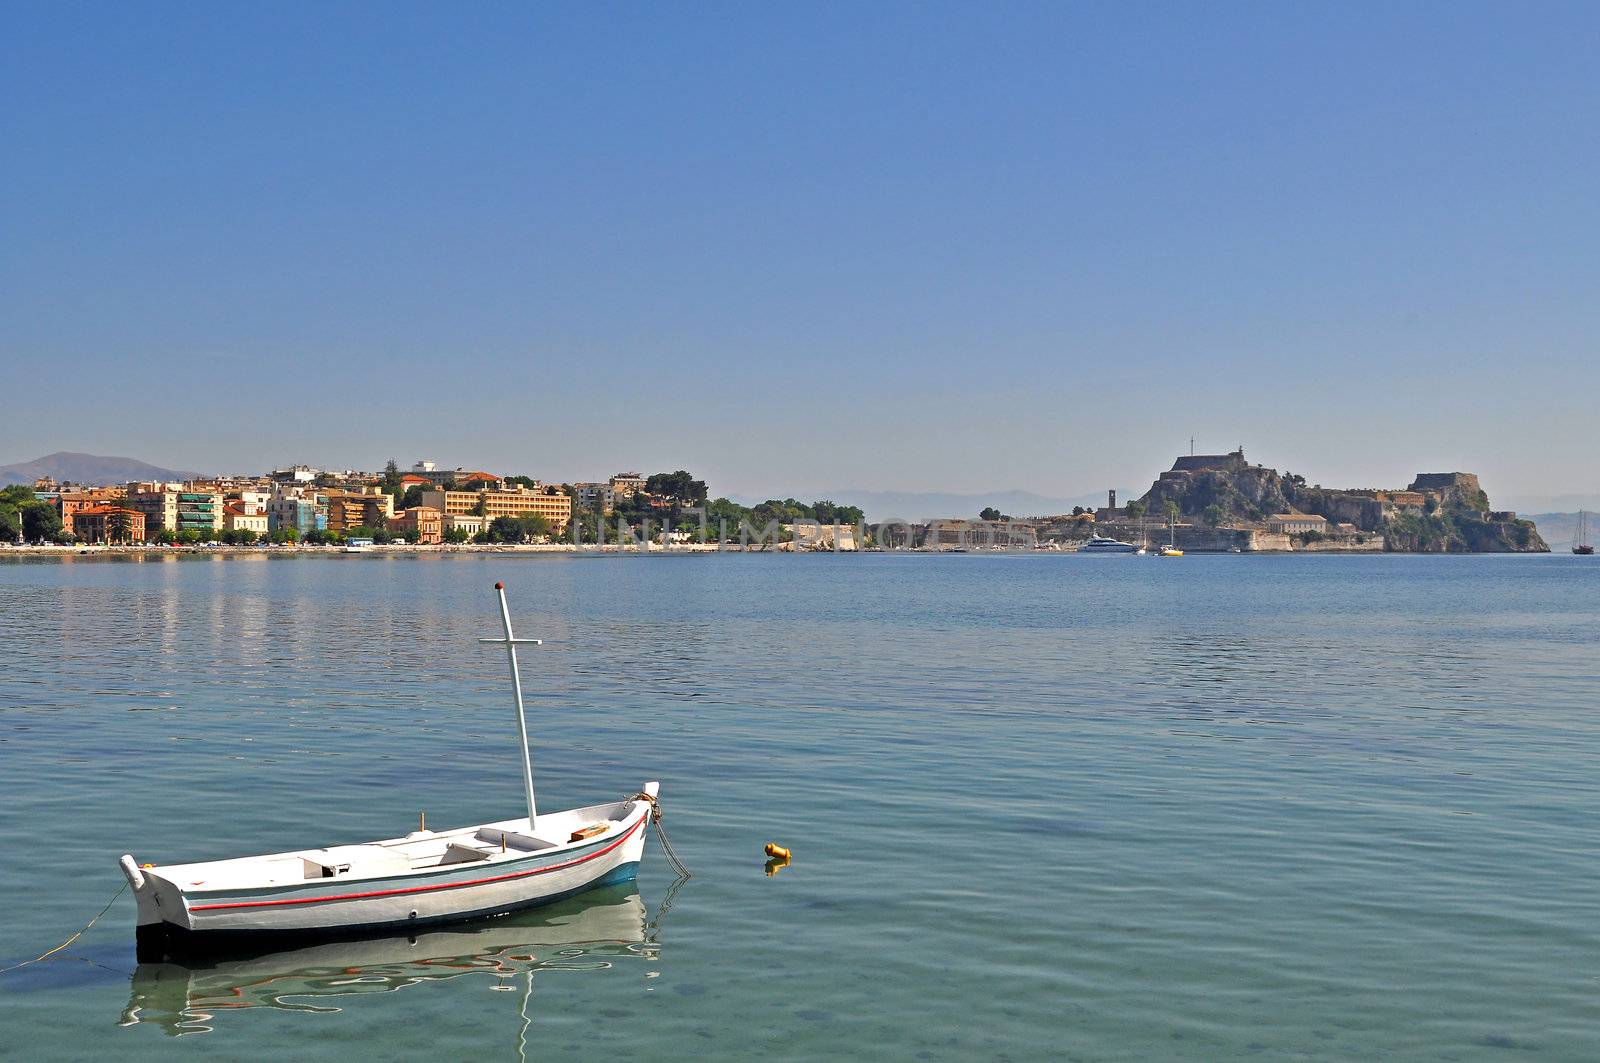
588	933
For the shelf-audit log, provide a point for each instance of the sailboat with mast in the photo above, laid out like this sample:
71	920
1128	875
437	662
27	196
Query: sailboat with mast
424	878
1171	549
1580	544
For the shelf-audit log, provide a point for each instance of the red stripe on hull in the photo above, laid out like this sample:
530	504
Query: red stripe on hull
422	889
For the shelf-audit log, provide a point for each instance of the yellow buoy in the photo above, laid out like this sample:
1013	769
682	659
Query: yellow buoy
778	851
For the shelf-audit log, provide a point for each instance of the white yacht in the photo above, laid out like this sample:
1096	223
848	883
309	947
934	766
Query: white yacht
1102	545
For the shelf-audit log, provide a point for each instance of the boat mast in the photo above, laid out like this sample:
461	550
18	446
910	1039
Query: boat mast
511	643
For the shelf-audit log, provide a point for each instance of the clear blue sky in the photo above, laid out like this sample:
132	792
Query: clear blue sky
798	248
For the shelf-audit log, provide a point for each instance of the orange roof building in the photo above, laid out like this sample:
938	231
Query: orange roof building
236	516
71	503
419	524
102	524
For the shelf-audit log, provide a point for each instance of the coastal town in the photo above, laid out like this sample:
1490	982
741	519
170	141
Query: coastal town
1217	503
304	505
426	506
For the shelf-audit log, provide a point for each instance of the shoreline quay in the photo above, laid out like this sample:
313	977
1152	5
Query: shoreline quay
288	549
53	550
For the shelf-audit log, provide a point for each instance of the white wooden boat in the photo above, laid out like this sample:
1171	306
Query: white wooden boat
425	877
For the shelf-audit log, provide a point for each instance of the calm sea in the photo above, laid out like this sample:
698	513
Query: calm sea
1047	807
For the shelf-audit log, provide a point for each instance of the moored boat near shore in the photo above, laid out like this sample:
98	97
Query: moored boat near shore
1101	544
425	877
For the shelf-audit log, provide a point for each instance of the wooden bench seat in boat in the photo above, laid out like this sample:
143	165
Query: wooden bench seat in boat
459	853
514	839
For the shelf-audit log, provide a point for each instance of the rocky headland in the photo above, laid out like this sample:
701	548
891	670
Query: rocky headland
1224	502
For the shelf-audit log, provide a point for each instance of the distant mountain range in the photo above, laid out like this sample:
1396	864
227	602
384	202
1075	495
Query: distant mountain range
1561	529
1548	504
923	505
92	469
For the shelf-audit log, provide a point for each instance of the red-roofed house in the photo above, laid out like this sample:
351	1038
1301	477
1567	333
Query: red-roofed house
419	524
237	516
103	524
71	503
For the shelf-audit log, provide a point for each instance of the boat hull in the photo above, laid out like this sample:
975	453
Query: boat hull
155	942
175	917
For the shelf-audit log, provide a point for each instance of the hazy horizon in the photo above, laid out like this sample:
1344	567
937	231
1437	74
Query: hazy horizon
915	248
882	503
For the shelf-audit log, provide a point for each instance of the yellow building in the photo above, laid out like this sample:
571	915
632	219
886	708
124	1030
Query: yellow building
627	484
419	524
1296	523
368	507
550	503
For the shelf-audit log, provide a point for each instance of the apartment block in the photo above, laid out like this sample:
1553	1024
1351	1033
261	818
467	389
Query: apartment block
419	524
627	484
601	498
241	516
549	502
303	513
158	502
199	511
296	474
428	472
369	507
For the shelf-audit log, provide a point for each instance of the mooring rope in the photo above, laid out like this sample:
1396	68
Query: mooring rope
661	834
82	930
672	857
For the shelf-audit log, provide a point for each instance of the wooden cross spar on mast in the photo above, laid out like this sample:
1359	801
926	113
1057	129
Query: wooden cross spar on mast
511	643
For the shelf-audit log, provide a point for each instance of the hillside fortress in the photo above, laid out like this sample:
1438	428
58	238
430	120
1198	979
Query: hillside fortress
1225	503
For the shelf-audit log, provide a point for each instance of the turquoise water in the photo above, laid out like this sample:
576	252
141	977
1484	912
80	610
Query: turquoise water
1041	807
